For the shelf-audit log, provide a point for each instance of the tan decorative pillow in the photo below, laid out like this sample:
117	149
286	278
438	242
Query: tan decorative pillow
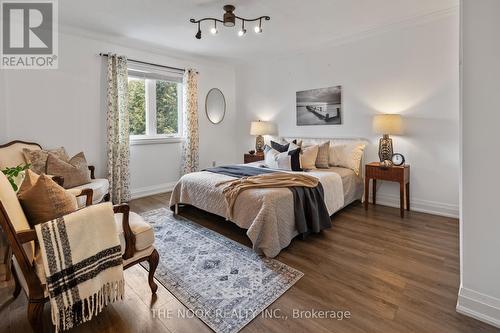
75	171
308	157
43	200
38	158
323	155
347	156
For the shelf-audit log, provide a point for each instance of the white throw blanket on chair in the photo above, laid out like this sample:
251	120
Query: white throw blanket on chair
83	264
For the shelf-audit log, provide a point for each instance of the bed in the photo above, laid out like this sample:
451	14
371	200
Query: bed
266	214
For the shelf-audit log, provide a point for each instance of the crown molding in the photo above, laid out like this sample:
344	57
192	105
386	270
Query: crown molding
409	22
185	58
405	23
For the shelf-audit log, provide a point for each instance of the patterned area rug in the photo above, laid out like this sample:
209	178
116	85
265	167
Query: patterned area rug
222	282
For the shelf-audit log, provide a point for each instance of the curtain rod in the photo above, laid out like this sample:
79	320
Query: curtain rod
148	63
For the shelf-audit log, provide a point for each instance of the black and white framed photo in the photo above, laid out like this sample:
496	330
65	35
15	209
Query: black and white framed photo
319	106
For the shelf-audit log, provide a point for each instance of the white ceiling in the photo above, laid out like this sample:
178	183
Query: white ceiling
295	24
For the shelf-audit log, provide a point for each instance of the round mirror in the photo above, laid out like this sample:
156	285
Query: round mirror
215	106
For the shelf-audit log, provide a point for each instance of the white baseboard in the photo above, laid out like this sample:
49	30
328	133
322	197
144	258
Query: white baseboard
479	306
152	190
419	205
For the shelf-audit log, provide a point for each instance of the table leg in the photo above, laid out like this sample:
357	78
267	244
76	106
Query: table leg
374	190
408	196
367	191
401	198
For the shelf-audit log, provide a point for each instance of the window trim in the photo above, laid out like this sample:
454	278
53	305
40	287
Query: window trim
151	137
136	140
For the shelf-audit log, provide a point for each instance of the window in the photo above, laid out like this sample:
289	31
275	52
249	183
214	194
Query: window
155	105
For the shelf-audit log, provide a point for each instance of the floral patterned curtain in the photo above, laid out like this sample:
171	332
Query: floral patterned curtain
190	161
118	129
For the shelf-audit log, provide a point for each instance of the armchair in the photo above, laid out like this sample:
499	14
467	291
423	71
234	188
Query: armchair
136	238
11	155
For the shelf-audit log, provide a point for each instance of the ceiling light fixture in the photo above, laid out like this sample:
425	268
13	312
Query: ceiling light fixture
229	20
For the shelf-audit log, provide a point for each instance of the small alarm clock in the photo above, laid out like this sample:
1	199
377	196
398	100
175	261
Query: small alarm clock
398	159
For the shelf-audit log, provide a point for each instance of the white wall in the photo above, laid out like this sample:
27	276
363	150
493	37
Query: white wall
412	70
480	225
67	107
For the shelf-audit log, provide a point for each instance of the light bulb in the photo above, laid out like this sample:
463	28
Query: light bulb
242	32
214	30
258	29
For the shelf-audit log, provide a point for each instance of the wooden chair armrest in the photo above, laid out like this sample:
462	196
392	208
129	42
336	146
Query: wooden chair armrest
127	231
89	193
92	171
26	236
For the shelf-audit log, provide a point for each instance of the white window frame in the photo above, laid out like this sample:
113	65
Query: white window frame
151	137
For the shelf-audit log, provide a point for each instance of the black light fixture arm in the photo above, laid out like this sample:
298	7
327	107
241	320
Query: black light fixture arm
205	19
267	18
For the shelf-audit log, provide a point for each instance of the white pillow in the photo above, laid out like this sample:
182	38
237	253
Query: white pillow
347	156
308	157
276	160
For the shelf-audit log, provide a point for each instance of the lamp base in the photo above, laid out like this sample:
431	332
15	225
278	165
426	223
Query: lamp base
385	150
259	143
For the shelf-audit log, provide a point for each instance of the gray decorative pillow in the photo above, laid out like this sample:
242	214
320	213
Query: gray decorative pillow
322	160
38	158
75	171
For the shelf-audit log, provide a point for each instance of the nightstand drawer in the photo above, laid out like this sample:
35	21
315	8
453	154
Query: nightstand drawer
400	174
393	173
249	158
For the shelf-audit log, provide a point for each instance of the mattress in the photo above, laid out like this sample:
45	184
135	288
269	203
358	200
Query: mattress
352	184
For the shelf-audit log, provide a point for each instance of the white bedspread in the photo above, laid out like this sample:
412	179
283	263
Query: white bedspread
267	214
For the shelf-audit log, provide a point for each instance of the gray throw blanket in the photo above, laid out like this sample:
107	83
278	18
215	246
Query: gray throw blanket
311	214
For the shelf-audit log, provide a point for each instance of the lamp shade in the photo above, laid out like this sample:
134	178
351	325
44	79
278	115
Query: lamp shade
262	128
387	124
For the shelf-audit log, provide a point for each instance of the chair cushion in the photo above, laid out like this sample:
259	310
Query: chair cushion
99	186
144	235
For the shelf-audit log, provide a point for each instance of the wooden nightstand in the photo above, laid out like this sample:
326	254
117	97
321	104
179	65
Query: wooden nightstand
400	174
249	158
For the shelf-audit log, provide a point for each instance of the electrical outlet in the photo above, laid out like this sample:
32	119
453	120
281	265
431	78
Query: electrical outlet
213	163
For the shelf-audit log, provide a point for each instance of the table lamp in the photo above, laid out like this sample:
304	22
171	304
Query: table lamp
386	124
260	128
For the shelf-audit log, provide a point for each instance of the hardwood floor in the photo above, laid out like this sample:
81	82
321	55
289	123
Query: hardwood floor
391	274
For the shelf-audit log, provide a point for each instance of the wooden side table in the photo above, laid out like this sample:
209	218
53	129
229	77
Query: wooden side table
249	158
400	174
